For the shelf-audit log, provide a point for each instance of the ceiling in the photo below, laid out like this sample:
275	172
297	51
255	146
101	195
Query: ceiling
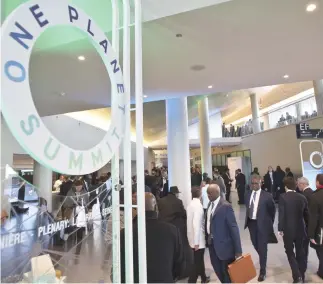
233	106
239	44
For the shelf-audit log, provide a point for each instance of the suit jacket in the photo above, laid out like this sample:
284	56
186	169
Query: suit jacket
265	215
225	231
227	181
164	251
240	180
308	193
220	182
165	189
316	213
268	183
293	215
65	187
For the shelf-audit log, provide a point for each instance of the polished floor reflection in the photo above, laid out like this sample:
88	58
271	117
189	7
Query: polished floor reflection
89	260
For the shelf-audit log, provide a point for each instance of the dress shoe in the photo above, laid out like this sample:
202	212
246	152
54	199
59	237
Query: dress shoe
207	279
298	280
261	277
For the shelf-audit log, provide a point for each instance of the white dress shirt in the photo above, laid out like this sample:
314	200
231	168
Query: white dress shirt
195	224
109	184
271	177
256	202
57	184
205	198
210	213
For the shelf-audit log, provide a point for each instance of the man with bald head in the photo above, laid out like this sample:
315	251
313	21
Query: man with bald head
222	233
260	217
164	248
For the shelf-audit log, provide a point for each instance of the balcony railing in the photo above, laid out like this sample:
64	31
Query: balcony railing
286	115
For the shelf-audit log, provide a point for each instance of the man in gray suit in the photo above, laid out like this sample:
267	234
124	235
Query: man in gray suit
217	179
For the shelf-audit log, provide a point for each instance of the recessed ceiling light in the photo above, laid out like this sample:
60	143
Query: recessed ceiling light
227	95
197	67
145	96
286	76
62	94
81	58
210	87
311	7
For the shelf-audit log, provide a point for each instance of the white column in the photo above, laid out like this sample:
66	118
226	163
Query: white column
127	146
266	121
178	147
318	90
255	113
298	111
204	128
43	181
142	259
116	269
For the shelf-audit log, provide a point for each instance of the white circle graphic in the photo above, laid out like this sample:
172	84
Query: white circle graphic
316	166
19	33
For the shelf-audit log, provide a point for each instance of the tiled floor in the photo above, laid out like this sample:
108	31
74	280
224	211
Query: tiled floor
278	269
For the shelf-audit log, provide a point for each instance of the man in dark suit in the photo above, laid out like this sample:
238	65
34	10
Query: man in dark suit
260	216
228	183
304	188
66	186
240	185
315	223
293	214
171	210
164	248
269	180
222	233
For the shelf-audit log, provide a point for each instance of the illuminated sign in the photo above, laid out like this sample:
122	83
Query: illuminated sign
313	164
303	131
19	34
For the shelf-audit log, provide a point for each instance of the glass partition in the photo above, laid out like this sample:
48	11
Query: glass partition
285	115
73	243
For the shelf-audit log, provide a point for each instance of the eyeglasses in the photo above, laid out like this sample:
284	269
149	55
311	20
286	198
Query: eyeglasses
255	183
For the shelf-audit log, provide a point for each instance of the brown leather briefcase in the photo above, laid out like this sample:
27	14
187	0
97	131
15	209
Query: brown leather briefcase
242	270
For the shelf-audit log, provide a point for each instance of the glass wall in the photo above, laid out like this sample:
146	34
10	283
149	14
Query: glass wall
220	160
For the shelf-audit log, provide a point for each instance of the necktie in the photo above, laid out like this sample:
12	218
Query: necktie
252	205
211	213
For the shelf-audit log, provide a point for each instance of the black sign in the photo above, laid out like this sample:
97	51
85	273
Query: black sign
303	131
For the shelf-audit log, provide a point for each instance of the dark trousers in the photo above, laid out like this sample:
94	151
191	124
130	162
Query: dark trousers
297	258
198	267
259	242
228	193
319	252
220	266
241	192
306	244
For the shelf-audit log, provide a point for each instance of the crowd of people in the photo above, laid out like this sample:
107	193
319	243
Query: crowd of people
177	237
209	222
289	119
247	128
239	131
